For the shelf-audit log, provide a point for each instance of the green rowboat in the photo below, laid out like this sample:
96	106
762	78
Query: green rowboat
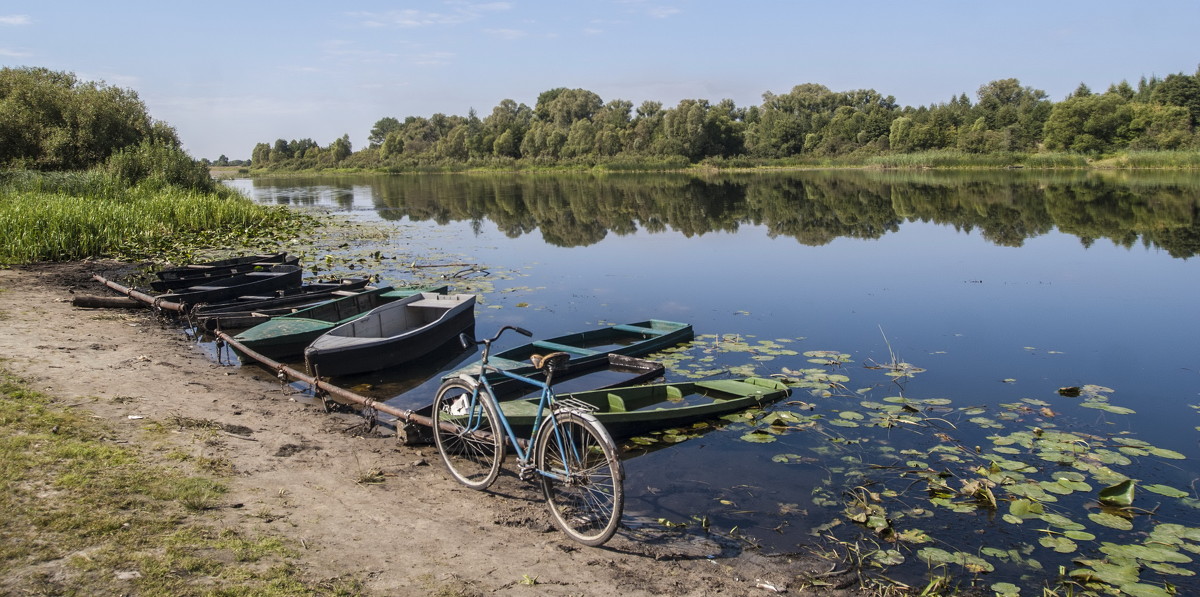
636	410
286	336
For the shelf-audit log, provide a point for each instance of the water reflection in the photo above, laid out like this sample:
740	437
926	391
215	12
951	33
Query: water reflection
1157	210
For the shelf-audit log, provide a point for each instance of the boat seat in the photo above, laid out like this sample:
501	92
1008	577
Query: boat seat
440	304
563	348
616	404
639	330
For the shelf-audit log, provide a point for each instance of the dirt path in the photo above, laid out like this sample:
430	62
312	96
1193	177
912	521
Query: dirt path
357	502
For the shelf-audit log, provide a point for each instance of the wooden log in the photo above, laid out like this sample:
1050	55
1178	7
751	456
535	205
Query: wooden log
106	302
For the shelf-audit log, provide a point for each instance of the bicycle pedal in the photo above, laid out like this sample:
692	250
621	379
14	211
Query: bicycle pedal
574	404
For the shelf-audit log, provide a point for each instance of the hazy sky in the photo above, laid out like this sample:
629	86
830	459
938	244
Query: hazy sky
228	75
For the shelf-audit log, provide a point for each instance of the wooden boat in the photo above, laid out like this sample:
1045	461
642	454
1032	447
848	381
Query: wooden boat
287	335
248	311
615	371
392	334
636	410
277	277
244	319
591	346
191	275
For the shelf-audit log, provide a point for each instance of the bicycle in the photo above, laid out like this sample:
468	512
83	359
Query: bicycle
568	451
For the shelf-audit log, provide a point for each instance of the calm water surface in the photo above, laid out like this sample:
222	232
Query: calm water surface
1002	288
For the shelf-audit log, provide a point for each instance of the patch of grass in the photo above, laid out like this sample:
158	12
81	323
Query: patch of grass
85	516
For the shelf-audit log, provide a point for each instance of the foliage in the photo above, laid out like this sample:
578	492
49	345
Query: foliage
577	128
49	120
160	165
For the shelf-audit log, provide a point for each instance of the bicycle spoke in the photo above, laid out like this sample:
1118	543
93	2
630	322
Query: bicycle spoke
584	484
464	431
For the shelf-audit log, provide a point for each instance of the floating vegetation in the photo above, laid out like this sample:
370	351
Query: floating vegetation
1061	496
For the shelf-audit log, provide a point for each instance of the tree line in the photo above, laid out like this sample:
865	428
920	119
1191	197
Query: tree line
576	126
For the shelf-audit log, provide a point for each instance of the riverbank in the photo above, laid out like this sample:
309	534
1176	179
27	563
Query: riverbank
924	160
351	510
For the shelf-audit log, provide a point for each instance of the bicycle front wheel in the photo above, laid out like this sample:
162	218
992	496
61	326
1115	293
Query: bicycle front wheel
581	476
467	434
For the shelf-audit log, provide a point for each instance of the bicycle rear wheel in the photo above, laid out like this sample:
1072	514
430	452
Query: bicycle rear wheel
467	434
581	476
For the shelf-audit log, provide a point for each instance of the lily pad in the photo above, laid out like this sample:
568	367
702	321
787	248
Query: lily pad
1111	521
1120	494
1165	490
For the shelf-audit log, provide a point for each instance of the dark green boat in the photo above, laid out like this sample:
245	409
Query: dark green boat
586	348
637	410
286	336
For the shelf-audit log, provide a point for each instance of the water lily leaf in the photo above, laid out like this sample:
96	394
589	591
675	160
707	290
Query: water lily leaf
934	555
1164	453
890	557
1108	573
1059	544
1104	406
1025	508
1145	553
971	562
914	536
1120	494
1073	484
1165	568
1079	535
1006	589
1061	522
758	436
843	423
1165	490
1111	521
849	414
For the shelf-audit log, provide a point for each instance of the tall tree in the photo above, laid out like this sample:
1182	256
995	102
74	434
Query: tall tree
380	131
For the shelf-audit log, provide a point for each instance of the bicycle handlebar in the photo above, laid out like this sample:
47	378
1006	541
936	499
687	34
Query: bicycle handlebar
468	342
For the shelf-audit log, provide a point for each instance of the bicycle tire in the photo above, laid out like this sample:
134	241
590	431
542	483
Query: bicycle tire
588	504
468	438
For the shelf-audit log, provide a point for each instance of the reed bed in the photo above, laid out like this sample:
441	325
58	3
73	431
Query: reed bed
1167	160
61	217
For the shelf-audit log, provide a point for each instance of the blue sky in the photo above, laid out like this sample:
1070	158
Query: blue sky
229	75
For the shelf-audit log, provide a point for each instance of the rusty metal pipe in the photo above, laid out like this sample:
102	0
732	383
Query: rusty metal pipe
405	415
151	300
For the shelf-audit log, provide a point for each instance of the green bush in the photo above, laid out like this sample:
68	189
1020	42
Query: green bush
160	165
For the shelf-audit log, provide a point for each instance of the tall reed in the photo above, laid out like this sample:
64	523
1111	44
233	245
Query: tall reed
60	217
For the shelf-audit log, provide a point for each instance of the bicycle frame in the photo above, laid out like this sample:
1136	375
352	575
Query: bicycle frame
479	381
524	455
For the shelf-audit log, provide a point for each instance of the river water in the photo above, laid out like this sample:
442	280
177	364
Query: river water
961	304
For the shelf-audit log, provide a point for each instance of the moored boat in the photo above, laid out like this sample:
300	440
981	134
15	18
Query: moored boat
287	335
636	410
191	275
277	277
632	339
392	334
247	312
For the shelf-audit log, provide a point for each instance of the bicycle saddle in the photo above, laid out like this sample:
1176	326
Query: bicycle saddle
555	361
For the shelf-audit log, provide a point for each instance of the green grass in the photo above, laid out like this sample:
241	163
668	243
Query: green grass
68	216
80	510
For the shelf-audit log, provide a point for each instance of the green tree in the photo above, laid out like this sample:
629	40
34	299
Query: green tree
380	131
50	120
261	155
1180	90
1087	124
340	149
